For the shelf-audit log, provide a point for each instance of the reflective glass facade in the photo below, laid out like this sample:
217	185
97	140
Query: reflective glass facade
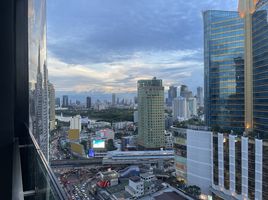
38	76
260	70
224	70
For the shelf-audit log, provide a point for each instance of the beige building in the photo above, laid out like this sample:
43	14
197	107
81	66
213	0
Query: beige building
151	121
51	96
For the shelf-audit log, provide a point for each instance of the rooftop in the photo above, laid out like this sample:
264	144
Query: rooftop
135	179
170	196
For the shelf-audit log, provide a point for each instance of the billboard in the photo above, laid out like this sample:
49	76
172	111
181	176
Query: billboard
98	144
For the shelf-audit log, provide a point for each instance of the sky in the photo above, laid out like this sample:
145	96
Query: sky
105	46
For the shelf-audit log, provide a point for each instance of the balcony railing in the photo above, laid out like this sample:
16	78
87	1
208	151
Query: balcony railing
32	175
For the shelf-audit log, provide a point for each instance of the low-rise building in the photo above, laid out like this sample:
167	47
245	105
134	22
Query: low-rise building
135	187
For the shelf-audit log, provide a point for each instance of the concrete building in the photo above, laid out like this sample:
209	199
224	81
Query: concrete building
65	101
200	97
113	99
172	94
192	107
193	161
151	120
135	116
180	108
135	187
51	94
75	122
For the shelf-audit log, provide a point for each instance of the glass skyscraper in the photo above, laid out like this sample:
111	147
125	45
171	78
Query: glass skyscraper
224	70
260	70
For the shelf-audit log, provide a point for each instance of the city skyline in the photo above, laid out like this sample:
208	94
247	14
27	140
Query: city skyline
110	53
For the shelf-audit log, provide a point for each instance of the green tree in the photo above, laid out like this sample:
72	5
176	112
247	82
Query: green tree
110	145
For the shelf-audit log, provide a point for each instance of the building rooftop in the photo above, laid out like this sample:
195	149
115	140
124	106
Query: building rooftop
170	196
135	179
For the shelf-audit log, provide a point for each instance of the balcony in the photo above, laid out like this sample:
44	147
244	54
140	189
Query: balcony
32	175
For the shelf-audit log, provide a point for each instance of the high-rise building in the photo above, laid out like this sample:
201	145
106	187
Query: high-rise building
180	108
57	102
65	101
88	102
184	92
75	123
260	70
224	70
192	107
113	99
151	132
172	93
200	97
236	99
44	137
51	96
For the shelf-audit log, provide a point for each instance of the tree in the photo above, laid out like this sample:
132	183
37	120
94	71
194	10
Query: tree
110	145
193	190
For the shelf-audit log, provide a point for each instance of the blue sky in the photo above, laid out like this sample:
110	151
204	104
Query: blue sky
105	46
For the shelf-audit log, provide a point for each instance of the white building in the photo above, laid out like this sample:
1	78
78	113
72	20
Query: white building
135	116
192	107
75	122
180	108
135	187
168	140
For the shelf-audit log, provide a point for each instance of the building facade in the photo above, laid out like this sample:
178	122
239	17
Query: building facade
88	102
65	101
51	94
151	122
224	37
172	93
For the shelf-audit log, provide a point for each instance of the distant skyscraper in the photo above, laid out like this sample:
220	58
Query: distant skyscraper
184	92
51	94
192	107
172	93
57	102
180	108
65	101
113	99
44	137
151	132
88	102
200	96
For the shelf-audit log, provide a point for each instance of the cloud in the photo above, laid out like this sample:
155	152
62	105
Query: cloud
107	45
122	76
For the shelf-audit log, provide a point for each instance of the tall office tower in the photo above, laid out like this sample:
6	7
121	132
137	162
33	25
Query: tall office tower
192	107
151	132
260	70
44	137
239	162
172	93
57	102
184	91
113	99
200	97
180	108
224	70
51	96
65	101
88	102
117	101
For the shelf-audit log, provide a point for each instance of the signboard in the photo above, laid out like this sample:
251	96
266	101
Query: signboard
98	144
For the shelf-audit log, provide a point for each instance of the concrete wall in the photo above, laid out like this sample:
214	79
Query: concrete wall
199	159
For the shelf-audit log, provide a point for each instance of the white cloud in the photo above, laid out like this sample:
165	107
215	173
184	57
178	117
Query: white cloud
122	76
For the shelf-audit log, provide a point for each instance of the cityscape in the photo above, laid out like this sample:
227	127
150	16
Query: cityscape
163	139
